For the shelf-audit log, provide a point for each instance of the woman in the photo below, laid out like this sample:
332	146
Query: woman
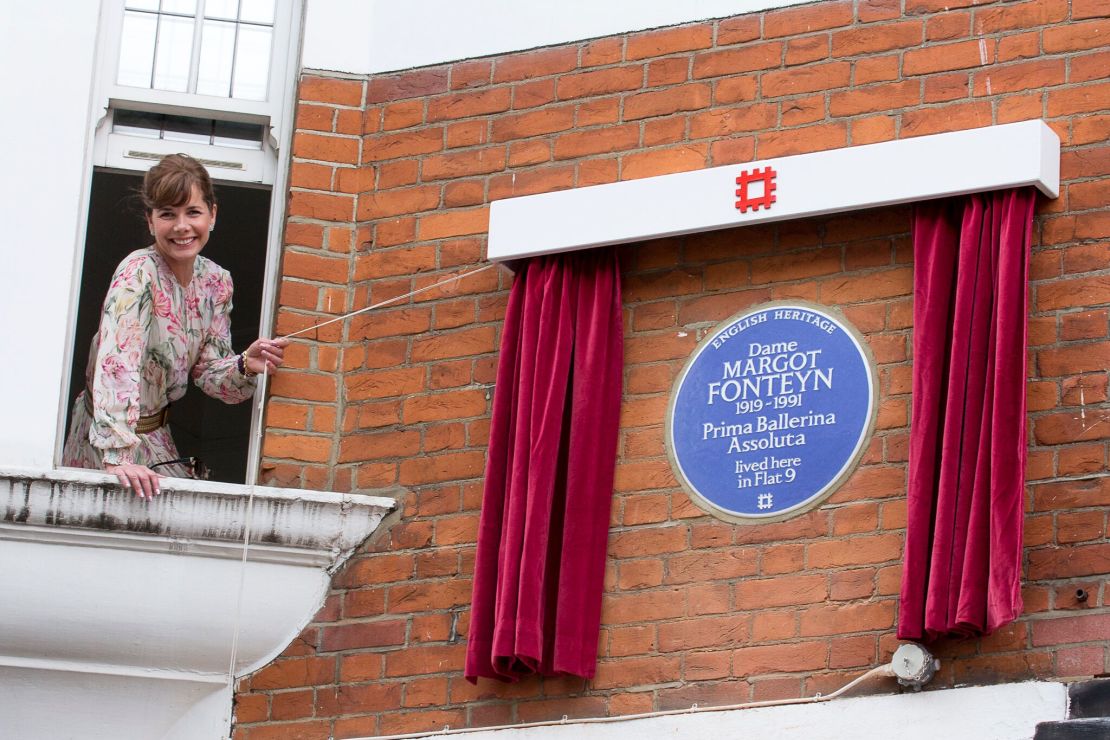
166	317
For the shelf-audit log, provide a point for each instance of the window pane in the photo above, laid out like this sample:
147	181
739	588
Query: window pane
228	9
217	46
186	7
257	11
240	135
252	63
175	47
193	130
142	4
136	54
137	123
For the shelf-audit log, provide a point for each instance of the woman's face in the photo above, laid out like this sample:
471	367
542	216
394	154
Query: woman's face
180	232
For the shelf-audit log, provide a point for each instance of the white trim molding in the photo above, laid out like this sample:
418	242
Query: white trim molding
1001	712
834	181
120	616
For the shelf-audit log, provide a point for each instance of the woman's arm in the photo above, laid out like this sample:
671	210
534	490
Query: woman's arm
124	328
218	371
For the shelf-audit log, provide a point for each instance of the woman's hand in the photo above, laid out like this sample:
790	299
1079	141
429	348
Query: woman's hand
265	355
139	478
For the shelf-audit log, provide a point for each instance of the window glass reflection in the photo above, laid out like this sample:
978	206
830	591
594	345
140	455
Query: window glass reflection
227	9
252	62
174	52
257	11
217	50
136	54
185	7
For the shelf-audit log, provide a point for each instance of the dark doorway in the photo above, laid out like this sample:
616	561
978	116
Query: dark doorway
216	432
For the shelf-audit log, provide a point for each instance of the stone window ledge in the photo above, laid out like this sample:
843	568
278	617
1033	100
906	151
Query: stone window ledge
121	614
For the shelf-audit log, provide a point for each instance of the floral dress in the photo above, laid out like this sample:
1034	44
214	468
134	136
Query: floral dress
154	334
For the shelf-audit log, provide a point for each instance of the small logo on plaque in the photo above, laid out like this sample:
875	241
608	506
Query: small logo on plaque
756	189
771	412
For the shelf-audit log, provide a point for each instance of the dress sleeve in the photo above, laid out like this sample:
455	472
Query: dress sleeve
216	371
124	328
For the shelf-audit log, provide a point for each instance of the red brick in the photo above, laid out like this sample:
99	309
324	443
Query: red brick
542	63
293	672
455	223
664	161
735	61
668	41
330	90
535	123
599	82
875	98
738	30
467	104
780	591
364	635
405	144
847	618
320	206
706	632
439	468
791	658
875	39
598	141
1020	16
403	114
1022	76
1070	630
603	51
1079	99
411	84
807	19
717	122
667	71
1074	36
664	102
386	203
947	57
443	406
812	78
474	73
802	140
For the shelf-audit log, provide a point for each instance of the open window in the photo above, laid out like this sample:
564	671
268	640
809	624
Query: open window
213	79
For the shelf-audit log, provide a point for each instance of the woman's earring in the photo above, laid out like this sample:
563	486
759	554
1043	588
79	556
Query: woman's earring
211	228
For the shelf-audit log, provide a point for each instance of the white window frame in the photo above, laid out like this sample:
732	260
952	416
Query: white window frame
139	153
277	113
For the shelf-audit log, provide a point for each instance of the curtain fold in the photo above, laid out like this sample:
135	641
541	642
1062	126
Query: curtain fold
544	525
962	563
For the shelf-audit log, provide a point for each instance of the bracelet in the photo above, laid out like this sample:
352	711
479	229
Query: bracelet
241	363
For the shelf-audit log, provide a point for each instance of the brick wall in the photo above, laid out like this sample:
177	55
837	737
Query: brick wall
391	181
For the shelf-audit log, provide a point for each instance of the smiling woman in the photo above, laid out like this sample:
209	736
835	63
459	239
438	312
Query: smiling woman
166	318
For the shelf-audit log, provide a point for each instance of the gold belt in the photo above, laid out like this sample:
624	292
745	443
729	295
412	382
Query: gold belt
146	424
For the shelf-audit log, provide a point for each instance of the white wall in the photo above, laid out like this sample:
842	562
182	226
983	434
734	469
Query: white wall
47	57
366	36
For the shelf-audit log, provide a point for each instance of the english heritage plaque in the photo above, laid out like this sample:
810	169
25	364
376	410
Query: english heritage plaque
771	412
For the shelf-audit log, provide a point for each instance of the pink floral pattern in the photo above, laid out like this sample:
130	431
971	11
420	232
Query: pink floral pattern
154	335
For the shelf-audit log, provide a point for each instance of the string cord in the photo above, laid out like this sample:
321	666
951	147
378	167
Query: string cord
252	473
388	301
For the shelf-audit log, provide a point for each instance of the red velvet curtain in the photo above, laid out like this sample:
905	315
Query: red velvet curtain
962	565
549	473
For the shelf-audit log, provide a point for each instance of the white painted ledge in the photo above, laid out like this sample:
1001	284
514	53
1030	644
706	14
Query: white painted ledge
839	180
1004	712
118	616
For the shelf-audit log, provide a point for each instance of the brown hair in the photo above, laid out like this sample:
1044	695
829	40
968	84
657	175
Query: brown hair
171	181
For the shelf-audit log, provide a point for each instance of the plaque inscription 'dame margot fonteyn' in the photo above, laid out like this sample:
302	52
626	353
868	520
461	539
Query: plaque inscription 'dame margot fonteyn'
771	412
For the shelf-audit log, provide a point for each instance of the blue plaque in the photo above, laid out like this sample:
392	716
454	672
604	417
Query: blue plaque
771	412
